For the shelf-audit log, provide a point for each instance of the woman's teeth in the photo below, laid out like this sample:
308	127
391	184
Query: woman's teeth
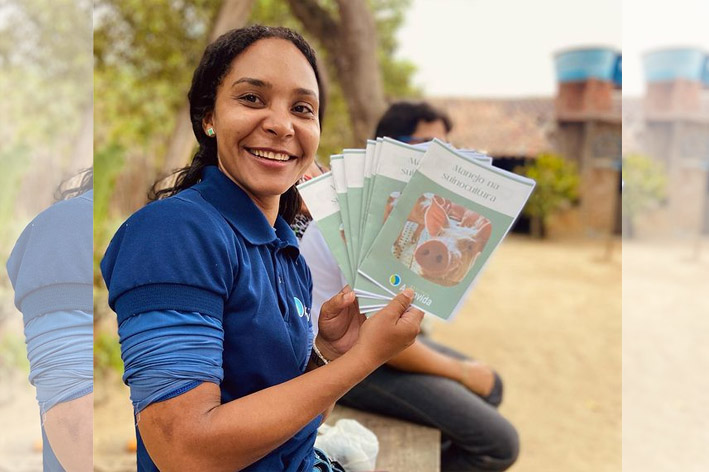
274	156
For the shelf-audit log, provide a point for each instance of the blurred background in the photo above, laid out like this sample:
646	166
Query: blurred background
46	138
665	226
540	86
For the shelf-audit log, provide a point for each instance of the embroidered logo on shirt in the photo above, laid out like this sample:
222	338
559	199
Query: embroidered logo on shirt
300	308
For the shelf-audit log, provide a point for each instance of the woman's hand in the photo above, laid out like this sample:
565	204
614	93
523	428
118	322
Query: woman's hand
391	330
339	324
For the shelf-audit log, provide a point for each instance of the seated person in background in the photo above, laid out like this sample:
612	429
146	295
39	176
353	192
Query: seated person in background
427	383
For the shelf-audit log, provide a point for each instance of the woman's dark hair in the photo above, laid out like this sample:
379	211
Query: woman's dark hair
75	185
209	74
402	118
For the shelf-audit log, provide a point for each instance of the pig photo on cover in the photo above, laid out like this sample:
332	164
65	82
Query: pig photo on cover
440	240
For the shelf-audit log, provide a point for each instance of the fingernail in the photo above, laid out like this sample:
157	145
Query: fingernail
408	293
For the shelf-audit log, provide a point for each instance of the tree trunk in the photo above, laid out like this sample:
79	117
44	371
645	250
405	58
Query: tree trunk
537	227
351	44
83	155
232	14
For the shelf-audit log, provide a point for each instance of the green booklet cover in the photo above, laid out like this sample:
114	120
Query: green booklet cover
354	177
445	224
396	163
321	199
368	165
337	166
363	285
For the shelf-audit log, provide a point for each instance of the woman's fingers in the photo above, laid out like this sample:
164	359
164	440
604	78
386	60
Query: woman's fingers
336	304
399	304
414	315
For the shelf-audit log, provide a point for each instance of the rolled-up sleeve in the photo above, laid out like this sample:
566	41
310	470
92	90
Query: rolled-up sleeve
167	353
60	352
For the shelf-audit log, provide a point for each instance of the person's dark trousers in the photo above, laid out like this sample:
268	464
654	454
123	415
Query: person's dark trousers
474	436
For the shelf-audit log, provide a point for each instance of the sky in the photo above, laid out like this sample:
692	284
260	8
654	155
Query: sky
505	48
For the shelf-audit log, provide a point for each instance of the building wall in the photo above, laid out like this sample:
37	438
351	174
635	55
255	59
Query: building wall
677	136
589	133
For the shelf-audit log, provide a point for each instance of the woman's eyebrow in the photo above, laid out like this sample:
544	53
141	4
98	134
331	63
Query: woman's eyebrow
252	81
304	91
262	84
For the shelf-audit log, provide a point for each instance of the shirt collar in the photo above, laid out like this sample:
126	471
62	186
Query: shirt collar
241	212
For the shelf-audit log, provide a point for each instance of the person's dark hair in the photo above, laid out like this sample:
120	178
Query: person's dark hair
75	185
209	74
402	118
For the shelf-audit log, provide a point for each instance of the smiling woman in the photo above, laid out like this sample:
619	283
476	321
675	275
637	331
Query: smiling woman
266	126
212	295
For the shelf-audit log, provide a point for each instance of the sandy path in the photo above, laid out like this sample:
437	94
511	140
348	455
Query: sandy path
548	317
665	358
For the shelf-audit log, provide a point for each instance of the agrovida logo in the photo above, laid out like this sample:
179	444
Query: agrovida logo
395	280
300	308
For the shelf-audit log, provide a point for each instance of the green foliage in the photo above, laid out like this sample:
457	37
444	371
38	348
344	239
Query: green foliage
108	164
107	352
45	76
645	185
15	162
13	353
396	73
144	54
557	185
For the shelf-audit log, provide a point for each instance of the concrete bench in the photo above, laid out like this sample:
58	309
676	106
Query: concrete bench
403	446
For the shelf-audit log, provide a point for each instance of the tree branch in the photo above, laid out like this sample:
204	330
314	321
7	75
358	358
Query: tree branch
317	21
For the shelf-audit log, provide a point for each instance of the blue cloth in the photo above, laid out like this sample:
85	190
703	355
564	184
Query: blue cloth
210	250
60	351
51	271
51	265
156	367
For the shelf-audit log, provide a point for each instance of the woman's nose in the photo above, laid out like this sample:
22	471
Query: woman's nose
279	122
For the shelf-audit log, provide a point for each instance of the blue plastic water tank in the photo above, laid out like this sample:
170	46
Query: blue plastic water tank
580	64
675	63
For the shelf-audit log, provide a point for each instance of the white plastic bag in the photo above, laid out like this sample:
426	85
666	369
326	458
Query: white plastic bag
350	444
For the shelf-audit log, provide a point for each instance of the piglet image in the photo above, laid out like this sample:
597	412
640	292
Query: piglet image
447	257
443	238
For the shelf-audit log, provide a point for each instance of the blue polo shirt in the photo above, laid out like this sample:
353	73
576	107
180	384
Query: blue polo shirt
51	270
199	267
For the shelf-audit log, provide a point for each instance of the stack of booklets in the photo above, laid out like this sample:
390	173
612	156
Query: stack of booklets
425	216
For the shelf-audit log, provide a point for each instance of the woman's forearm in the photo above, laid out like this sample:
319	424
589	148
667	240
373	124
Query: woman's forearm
195	432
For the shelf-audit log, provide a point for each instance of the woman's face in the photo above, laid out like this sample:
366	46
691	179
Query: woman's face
265	119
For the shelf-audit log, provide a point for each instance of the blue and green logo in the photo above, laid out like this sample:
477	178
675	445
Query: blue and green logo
299	307
394	280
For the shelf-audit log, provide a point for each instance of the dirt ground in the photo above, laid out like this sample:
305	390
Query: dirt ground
665	357
547	315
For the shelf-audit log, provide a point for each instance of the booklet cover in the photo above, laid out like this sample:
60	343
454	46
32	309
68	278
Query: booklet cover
337	167
443	227
368	166
321	199
397	163
354	178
